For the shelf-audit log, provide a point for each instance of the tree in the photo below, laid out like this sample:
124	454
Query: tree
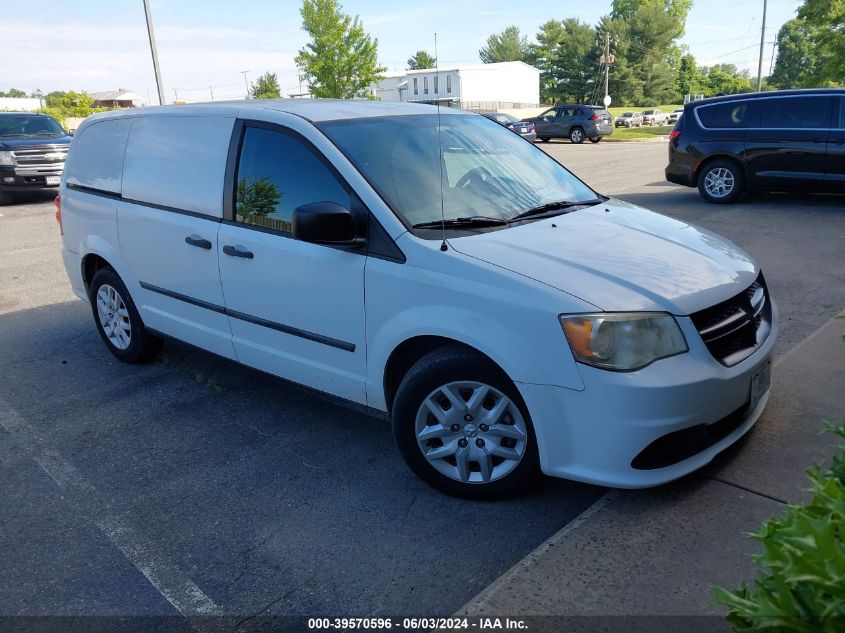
266	87
541	56
826	19
421	60
726	79
575	61
507	46
678	10
257	197
341	60
690	80
797	62
13	93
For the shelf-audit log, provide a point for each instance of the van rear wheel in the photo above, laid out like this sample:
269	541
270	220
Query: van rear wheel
720	182
461	426
118	321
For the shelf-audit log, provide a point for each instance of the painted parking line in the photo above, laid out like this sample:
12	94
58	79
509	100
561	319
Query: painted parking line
175	586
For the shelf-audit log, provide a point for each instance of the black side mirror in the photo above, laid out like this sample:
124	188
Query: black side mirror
325	223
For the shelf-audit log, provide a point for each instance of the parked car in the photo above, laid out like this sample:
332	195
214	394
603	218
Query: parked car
655	117
32	153
629	119
525	129
437	269
674	115
575	122
771	141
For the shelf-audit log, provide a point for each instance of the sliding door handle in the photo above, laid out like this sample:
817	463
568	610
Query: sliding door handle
237	251
199	242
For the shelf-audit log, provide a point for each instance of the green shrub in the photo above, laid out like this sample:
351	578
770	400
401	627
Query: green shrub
801	580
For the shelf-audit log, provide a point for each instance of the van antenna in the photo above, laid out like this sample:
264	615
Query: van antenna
443	246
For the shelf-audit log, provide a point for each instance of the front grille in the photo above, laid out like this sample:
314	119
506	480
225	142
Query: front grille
40	159
734	329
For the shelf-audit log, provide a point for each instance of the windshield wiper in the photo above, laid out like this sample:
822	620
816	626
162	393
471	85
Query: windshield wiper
475	220
561	205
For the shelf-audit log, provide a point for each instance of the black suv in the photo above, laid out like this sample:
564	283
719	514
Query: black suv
768	141
32	153
575	122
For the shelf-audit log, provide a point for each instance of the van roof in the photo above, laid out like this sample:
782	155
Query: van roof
744	96
313	110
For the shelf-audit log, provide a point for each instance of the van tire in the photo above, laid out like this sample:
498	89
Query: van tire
142	346
6	197
447	366
730	172
576	135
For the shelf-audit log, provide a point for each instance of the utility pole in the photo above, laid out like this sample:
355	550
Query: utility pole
211	90
762	43
246	82
607	59
154	52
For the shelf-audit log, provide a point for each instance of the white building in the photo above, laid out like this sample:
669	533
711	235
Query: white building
479	87
20	104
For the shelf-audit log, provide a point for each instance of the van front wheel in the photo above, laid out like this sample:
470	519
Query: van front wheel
462	427
118	321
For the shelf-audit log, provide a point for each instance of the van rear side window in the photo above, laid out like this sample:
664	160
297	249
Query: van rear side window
178	162
737	114
95	159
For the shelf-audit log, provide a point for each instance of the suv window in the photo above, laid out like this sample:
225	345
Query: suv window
277	173
735	114
795	112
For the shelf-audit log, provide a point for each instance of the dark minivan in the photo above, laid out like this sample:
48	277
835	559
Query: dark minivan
791	140
575	122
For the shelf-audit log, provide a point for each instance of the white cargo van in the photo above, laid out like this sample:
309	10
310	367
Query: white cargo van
438	268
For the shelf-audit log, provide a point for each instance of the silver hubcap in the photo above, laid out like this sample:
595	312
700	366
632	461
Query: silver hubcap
114	317
719	182
576	135
471	432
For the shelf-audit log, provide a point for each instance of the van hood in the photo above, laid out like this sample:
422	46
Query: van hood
620	257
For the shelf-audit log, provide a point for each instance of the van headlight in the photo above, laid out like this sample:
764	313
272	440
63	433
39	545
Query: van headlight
6	158
623	341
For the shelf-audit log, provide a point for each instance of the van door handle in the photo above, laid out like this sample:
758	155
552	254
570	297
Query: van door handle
237	251
196	240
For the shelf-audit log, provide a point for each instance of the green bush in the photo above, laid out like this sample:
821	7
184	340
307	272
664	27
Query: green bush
801	580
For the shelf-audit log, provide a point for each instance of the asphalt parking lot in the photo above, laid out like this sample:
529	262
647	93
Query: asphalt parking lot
194	485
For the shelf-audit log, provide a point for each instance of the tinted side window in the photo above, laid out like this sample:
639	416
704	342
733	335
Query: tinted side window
797	112
278	173
96	155
738	114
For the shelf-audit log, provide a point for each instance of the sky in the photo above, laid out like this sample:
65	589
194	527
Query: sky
204	45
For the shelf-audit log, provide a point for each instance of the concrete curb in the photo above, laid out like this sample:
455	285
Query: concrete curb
660	551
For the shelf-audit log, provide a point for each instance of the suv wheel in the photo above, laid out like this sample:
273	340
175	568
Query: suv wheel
595	139
576	135
720	182
118	321
544	139
462	427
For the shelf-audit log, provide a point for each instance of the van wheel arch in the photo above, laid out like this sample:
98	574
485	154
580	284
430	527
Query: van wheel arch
408	352
91	263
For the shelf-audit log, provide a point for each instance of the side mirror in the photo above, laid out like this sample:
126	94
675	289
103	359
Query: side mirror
325	223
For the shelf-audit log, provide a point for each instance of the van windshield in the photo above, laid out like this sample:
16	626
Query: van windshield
487	170
29	125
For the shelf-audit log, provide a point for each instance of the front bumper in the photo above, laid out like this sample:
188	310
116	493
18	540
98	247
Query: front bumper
595	435
19	179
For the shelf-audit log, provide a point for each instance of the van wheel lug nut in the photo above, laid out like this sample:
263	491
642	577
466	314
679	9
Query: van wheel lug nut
479	443
455	428
484	428
462	442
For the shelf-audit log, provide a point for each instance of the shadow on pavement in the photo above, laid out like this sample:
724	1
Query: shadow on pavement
255	488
